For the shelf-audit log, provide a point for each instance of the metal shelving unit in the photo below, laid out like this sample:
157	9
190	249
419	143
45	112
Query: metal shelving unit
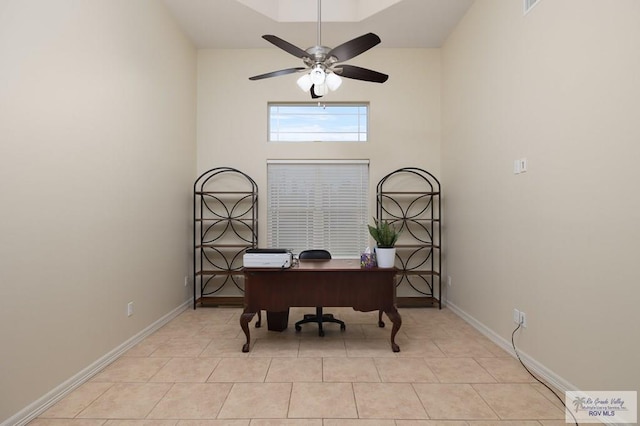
409	198
225	224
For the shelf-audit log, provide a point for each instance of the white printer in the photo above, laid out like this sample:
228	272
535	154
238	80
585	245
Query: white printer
267	258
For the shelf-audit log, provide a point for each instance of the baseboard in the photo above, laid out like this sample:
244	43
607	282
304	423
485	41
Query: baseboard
546	375
39	406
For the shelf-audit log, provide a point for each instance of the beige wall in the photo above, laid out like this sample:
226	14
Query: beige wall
232	113
560	87
97	157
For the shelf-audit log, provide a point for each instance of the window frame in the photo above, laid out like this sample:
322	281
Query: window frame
363	135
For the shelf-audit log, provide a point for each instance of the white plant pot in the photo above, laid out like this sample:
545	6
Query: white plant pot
386	257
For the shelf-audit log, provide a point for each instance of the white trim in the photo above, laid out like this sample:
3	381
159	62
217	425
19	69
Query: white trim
550	377
39	406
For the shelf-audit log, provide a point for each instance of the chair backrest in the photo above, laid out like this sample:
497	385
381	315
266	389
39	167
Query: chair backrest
314	254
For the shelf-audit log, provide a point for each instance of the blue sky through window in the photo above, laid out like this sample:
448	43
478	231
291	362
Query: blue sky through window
313	122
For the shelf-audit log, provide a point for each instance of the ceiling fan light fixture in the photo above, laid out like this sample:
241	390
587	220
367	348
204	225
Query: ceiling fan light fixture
305	82
318	75
320	89
333	81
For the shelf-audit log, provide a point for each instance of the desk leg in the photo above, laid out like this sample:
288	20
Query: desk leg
245	318
396	319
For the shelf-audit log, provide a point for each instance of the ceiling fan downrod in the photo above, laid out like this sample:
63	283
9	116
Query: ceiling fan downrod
319	38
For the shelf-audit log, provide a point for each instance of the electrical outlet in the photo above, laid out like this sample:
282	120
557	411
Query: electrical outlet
523	319
186	280
516	316
129	309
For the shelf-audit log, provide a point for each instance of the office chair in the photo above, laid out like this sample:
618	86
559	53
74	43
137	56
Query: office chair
319	317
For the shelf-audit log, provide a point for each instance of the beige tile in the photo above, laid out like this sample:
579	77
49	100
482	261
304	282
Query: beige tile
257	400
352	331
322	348
146	347
226	422
286	422
373	331
349	370
463	331
126	401
370	348
203	348
130	369
66	422
518	401
141	423
459	370
358	422
222	347
495	350
225	331
77	400
453	402
505	423
465	348
506	370
207	317
191	401
551	393
413	348
422	331
388	401
186	370
430	423
181	347
277	347
322	400
178	330
295	370
404	370
240	370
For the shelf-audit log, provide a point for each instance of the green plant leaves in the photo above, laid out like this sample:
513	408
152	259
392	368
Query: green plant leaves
384	233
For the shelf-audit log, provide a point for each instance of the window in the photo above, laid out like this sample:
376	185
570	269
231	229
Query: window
318	205
314	122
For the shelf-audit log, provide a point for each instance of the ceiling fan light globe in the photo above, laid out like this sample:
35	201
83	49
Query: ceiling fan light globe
317	76
333	81
305	82
320	89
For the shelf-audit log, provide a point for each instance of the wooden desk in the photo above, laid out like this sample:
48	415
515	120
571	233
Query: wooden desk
329	283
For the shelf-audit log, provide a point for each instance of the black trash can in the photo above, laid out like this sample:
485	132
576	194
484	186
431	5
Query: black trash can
277	321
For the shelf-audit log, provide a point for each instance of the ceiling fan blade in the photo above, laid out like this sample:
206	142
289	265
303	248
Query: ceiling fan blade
353	48
286	46
359	73
277	73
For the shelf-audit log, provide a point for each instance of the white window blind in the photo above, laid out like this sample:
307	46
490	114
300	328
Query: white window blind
318	205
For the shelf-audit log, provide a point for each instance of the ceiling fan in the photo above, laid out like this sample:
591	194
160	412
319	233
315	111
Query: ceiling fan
323	64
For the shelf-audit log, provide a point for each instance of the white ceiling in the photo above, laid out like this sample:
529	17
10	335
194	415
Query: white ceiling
232	24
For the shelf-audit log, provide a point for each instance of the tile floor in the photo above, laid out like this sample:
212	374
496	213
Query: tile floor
192	373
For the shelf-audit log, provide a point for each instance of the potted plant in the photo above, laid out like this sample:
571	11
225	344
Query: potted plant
386	236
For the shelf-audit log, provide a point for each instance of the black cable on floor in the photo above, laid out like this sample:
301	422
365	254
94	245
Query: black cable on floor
532	375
